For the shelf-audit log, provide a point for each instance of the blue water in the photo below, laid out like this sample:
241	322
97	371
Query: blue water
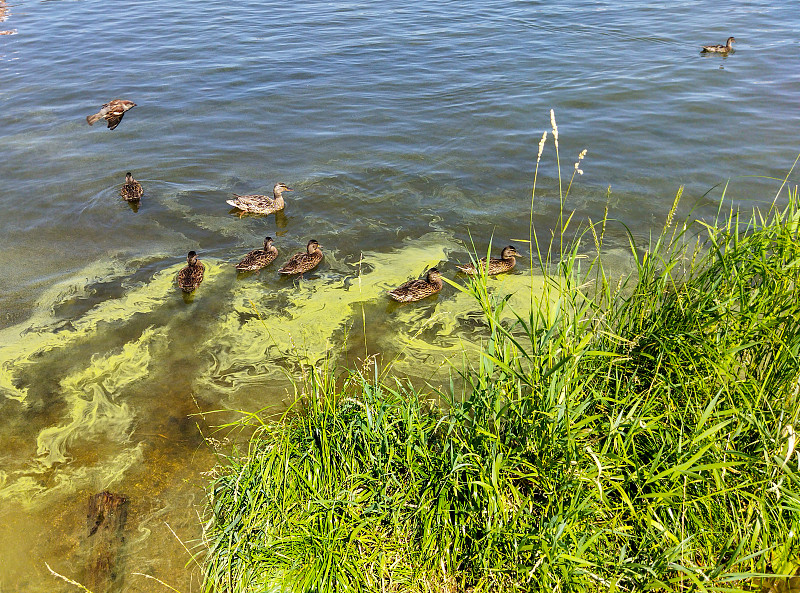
390	120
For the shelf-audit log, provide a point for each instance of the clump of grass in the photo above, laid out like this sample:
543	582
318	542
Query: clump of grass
618	436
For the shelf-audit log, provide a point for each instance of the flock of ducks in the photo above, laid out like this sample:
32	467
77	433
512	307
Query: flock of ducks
191	276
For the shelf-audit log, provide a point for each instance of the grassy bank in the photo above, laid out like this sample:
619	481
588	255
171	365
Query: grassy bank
620	435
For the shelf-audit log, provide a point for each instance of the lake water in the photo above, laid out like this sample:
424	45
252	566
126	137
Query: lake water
407	129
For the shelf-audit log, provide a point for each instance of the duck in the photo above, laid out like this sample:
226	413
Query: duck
259	258
257	204
191	275
300	263
415	290
721	49
131	190
505	263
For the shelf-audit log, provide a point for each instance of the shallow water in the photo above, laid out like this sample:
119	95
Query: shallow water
406	131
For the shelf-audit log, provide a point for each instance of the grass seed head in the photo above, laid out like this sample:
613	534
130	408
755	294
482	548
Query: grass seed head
541	146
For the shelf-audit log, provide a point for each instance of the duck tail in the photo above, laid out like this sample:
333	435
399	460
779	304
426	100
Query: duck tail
468	269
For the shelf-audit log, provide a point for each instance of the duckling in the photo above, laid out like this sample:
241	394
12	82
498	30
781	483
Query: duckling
300	263
721	49
131	190
259	258
496	266
257	204
415	290
191	275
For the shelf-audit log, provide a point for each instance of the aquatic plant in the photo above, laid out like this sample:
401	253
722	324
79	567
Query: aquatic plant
623	433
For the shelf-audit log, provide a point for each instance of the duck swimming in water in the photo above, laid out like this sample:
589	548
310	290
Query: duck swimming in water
191	275
505	263
259	258
258	204
131	190
415	290
720	49
300	263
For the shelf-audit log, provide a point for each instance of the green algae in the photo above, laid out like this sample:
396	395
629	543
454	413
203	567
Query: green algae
21	344
300	321
267	328
91	396
70	451
443	337
94	411
179	202
33	489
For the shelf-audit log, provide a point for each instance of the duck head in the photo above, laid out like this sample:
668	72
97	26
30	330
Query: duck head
312	246
191	258
280	188
267	243
509	252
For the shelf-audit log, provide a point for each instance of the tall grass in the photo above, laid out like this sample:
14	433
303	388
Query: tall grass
626	434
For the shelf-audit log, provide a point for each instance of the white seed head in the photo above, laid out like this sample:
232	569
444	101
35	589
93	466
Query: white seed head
553	124
580	158
541	146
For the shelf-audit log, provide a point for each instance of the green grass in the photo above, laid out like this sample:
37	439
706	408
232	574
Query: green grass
625	434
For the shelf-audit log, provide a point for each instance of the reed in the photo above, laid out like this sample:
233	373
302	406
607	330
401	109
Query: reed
620	435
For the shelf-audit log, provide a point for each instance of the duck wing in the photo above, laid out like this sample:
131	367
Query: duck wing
413	290
498	265
301	262
256	260
252	203
190	277
132	191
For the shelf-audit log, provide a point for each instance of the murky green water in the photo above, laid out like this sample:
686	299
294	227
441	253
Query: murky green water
404	128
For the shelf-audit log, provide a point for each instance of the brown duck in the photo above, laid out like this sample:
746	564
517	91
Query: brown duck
505	263
131	190
720	49
415	290
300	263
112	112
257	204
259	258
191	275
